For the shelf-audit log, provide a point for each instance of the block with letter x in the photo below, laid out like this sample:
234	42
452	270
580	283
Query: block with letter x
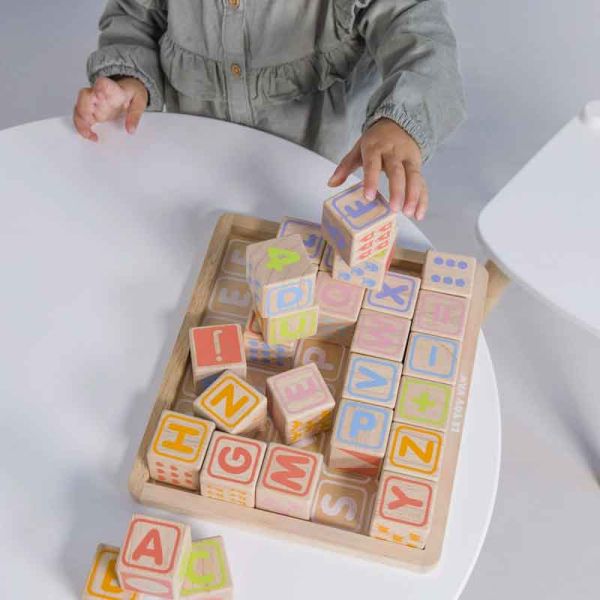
397	296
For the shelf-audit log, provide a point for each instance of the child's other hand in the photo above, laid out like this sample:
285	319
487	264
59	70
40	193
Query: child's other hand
107	101
386	146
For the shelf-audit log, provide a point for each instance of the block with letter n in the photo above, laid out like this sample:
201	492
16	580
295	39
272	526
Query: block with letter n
102	582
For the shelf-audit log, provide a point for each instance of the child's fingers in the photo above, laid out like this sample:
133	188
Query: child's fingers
394	169
371	162
134	113
414	187
423	203
83	127
347	165
83	114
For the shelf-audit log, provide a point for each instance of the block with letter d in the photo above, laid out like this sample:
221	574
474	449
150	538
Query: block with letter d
102	582
288	481
153	556
281	276
356	228
359	437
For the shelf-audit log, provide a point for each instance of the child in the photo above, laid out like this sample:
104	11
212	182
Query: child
317	72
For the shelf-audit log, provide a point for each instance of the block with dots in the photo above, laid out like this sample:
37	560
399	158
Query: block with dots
258	352
368	274
449	273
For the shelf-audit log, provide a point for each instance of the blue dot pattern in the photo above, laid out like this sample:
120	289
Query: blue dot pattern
438	260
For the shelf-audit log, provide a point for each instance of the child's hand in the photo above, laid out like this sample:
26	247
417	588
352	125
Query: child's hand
385	145
107	101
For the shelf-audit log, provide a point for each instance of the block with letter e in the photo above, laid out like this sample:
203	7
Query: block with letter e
178	448
359	437
231	469
356	228
102	582
288	481
153	556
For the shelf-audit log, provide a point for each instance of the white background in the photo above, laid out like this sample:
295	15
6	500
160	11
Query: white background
529	66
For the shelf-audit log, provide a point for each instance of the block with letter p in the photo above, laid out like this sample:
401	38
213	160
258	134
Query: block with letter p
359	437
358	229
153	556
281	276
102	582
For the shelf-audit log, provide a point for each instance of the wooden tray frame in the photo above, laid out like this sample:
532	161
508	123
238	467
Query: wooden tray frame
148	492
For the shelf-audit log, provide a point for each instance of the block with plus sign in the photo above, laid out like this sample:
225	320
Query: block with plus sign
403	509
259	353
441	314
357	228
397	296
423	402
311	236
432	357
102	582
449	273
368	274
177	450
281	276
380	335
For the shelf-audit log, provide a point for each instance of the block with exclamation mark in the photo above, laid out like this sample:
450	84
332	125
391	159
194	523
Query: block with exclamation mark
216	349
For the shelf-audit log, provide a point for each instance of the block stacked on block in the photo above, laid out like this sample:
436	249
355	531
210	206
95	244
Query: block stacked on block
314	243
277	357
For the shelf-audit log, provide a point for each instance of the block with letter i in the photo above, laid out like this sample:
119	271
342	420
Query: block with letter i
432	357
178	448
403	509
380	335
368	274
281	276
207	575
301	404
288	481
231	469
449	273
356	228
102	582
314	243
258	352
359	438
215	349
153	557
232	404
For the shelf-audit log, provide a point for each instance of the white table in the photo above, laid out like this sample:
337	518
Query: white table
542	229
99	249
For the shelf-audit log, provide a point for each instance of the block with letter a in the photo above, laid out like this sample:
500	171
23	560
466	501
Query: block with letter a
178	448
301	404
207	575
403	509
102	582
232	404
359	437
311	236
153	556
288	481
231	469
380	335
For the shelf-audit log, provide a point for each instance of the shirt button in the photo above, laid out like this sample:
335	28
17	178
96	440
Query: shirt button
234	3
236	70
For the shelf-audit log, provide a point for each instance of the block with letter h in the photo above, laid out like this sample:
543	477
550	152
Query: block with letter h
281	276
301	404
154	556
231	469
258	352
380	335
288	481
359	438
232	404
312	237
178	448
102	582
356	228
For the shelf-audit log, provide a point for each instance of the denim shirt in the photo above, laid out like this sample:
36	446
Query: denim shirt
316	72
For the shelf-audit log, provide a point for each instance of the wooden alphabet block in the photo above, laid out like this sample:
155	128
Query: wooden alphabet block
288	481
372	380
291	326
441	314
381	335
368	274
432	357
215	349
281	276
231	469
344	501
232	404
403	510
415	451
315	443
423	402
213	318
359	437
231	296
326	263
337	299
358	229
258	352
449	273
330	359
314	243
153	556
178	448
234	261
102	582
398	295
207	575
300	403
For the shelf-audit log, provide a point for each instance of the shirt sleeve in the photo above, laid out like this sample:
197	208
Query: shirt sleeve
415	51
128	45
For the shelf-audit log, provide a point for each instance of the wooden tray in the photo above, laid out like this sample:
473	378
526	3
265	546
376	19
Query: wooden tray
159	495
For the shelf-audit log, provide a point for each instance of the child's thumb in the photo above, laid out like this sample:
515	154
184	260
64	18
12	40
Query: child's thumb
134	113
